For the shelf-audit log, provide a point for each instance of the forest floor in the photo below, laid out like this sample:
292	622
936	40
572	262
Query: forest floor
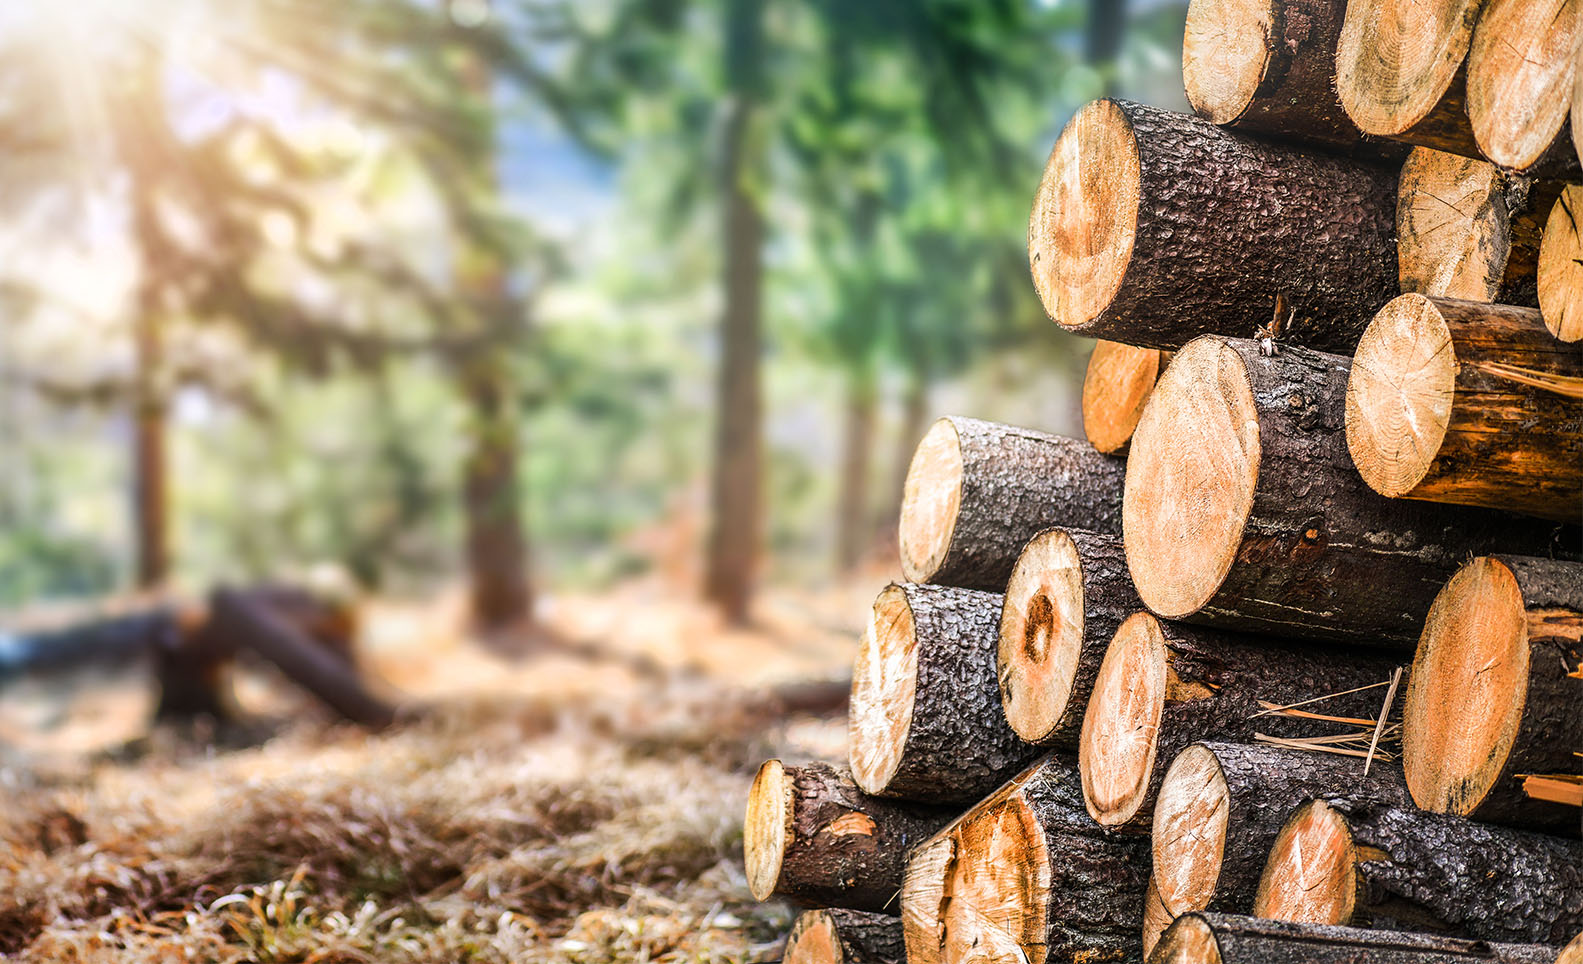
581	804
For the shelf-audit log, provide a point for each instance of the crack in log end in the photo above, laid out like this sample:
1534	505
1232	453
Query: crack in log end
1190	820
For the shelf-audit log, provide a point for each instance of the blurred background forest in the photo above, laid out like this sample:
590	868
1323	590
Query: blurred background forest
518	296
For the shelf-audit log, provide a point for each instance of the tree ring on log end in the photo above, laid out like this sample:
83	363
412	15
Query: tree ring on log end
766	827
1453	227
1189	839
1191	479
1117	382
1085	215
1520	78
1404	377
1188	941
1561	267
931	498
884	686
996	892
1120	728
813	940
1395	60
1225	56
1468	689
1041	634
1311	876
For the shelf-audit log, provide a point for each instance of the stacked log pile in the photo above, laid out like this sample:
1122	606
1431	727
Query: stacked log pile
1285	661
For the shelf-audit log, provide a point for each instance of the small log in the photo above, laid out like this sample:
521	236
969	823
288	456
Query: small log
1117	383
1243	508
1221	806
812	836
1560	271
926	722
1433	411
1491	696
1399	70
1204	938
1156	918
1338	862
1164	685
837	936
976	492
1025	877
1151	227
1519	81
1065	599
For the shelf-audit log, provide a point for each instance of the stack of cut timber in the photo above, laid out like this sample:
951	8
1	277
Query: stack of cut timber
1298	631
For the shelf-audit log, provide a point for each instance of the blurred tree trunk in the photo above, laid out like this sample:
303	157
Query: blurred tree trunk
735	499
914	421
1107	21
852	531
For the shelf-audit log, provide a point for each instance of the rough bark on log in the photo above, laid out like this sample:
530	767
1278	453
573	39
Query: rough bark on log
1243	509
813	836
1025	877
838	936
1560	271
1067	596
976	492
1163	686
1115	387
1221	805
1340	862
1151	227
1519	80
1447	403
1208	938
926	722
1492	696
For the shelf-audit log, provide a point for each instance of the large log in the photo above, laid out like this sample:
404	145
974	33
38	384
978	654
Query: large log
1151	227
1117	383
1560	271
1205	938
845	937
926	722
1519	81
1025	877
1065	599
1221	806
1435	410
1243	509
1400	868
1492	696
977	491
813	836
1163	686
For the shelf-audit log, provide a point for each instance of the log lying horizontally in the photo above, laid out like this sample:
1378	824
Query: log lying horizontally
1407	869
1025	877
1447	402
1221	806
1117	383
1204	938
976	492
1064	601
812	836
1164	685
1560	272
926	722
845	937
1156	917
1243	509
1519	81
1152	227
1491	695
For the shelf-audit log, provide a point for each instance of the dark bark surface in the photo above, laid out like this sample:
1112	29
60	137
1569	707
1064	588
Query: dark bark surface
1251	940
868	938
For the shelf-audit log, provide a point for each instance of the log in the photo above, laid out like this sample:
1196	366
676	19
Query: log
1560	271
1026	878
1065	599
1221	806
1573	952
1436	411
837	936
1151	227
976	492
1400	868
1163	685
1204	938
926	722
1243	509
1117	383
1156	918
1399	70
1519	81
1491	696
812	836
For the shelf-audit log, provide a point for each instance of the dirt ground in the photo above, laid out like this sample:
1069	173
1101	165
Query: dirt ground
580	804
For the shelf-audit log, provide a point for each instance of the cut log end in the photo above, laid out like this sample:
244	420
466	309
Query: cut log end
1311	876
1188	941
1041	635
1191	478
1085	215
1453	227
992	893
1156	918
764	829
922	896
1396	59
1190	821
1117	383
931	498
1573	952
884	687
1117	747
1399	394
1561	267
1519	80
1469	686
1225	56
814	940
